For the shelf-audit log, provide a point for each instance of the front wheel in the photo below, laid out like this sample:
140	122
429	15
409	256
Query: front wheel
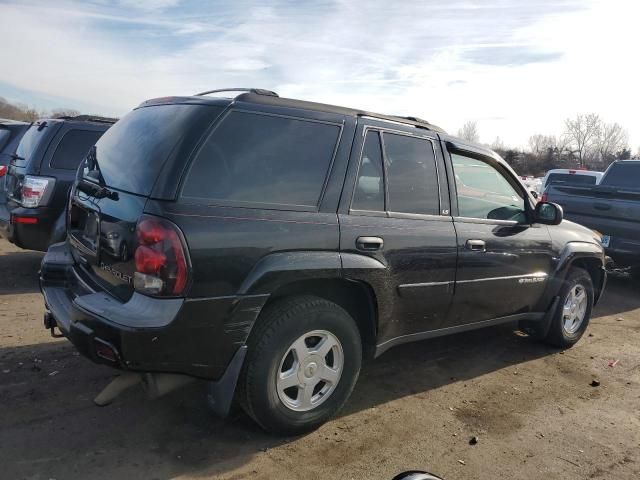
302	363
574	310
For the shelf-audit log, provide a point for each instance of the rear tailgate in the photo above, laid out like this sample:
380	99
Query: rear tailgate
102	235
115	182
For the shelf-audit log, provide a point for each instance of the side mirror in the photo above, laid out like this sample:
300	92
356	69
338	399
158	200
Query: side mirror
534	194
548	213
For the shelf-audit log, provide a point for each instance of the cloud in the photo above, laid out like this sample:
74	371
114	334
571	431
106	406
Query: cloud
149	5
516	68
509	55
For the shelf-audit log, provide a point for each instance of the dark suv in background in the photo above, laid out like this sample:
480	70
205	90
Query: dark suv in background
276	243
40	175
11	132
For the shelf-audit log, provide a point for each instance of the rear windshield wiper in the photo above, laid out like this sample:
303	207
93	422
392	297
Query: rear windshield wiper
93	168
15	157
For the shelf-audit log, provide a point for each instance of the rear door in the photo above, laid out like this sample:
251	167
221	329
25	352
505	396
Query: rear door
503	260
395	211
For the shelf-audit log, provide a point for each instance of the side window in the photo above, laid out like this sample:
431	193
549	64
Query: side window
369	192
264	159
73	147
412	177
483	192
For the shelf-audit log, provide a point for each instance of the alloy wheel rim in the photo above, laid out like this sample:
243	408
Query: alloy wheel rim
574	309
310	370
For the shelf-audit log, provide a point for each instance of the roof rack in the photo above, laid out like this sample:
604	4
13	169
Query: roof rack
88	118
414	119
258	91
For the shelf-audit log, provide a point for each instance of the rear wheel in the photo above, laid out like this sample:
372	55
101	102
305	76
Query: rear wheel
574	310
302	363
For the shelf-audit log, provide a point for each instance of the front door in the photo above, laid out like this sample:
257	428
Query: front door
397	219
503	260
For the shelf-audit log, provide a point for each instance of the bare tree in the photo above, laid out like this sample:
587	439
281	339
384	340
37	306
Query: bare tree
498	145
541	144
612	138
469	131
582	134
64	112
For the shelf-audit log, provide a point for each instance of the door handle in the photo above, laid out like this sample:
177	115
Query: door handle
476	245
369	243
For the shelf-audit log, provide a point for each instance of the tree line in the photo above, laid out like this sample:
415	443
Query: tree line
587	141
24	113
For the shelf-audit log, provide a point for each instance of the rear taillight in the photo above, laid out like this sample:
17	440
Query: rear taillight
3	170
544	197
36	191
161	261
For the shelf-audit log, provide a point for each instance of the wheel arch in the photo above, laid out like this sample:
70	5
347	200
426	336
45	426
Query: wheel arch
589	257
357	298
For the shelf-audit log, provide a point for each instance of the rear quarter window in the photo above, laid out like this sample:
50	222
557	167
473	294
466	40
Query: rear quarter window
73	147
4	137
259	159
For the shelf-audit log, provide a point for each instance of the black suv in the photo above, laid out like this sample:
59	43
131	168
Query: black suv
40	175
275	243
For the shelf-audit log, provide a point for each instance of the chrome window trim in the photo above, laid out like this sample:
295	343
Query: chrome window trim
390	213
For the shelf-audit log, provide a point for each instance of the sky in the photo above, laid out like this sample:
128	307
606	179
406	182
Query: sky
516	67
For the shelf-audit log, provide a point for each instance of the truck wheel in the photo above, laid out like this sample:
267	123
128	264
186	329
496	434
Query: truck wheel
302	363
574	310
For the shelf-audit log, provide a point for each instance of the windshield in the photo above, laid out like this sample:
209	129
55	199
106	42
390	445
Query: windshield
131	154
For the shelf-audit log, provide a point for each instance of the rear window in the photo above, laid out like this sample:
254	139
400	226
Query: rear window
412	178
30	141
571	179
263	159
626	175
73	147
131	154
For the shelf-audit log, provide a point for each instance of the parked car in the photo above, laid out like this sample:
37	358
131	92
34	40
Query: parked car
277	243
570	177
11	132
40	175
612	207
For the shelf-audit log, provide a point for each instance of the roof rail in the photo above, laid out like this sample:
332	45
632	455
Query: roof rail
88	118
414	119
258	91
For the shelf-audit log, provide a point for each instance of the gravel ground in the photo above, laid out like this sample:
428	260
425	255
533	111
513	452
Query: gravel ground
532	408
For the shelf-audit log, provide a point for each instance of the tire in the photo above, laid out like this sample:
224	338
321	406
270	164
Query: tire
271	356
571	319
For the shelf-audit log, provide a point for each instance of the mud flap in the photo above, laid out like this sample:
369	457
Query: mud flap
220	393
539	329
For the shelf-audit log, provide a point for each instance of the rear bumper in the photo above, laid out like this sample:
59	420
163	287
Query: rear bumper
31	236
194	337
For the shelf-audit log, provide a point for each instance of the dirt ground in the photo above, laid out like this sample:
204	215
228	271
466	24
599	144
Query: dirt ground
416	407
